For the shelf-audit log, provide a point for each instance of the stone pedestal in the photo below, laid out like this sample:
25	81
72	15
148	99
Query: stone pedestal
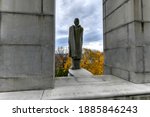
26	44
80	73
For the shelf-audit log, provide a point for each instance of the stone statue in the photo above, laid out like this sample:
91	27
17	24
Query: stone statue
75	43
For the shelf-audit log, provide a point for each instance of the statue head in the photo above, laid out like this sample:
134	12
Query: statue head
76	21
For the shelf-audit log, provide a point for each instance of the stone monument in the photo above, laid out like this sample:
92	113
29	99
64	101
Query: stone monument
75	44
75	50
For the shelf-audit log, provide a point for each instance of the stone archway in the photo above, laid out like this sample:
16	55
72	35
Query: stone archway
27	42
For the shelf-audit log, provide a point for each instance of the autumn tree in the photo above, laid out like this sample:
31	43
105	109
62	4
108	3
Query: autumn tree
92	60
60	60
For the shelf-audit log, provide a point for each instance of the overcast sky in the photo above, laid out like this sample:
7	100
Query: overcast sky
90	14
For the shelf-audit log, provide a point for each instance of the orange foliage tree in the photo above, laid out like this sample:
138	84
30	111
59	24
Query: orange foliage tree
92	60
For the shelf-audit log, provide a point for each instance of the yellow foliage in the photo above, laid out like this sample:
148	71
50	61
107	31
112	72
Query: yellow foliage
93	61
67	64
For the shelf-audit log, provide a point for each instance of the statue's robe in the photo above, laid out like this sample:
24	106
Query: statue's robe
75	41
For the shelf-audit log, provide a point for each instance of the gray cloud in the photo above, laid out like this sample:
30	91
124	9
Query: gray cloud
92	37
90	14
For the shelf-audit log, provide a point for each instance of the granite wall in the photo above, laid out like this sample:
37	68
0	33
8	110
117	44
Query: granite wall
127	39
27	44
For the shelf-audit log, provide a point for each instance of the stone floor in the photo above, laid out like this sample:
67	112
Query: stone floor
98	87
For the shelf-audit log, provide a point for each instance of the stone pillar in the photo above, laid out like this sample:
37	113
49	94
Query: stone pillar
26	44
127	39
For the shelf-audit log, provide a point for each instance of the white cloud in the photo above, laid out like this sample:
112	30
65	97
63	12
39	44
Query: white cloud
94	46
90	14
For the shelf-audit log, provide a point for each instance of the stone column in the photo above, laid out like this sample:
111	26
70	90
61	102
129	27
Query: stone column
27	44
127	39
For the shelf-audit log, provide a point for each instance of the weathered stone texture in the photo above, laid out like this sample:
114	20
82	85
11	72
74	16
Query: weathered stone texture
26	29
48	6
117	58
27	6
119	40
147	58
146	33
126	41
121	16
27	44
146	8
120	73
23	60
111	5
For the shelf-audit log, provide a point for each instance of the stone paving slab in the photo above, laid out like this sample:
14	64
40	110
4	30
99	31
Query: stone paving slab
70	81
98	87
96	92
22	95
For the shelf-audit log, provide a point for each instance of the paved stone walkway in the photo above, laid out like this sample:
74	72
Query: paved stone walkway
98	87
